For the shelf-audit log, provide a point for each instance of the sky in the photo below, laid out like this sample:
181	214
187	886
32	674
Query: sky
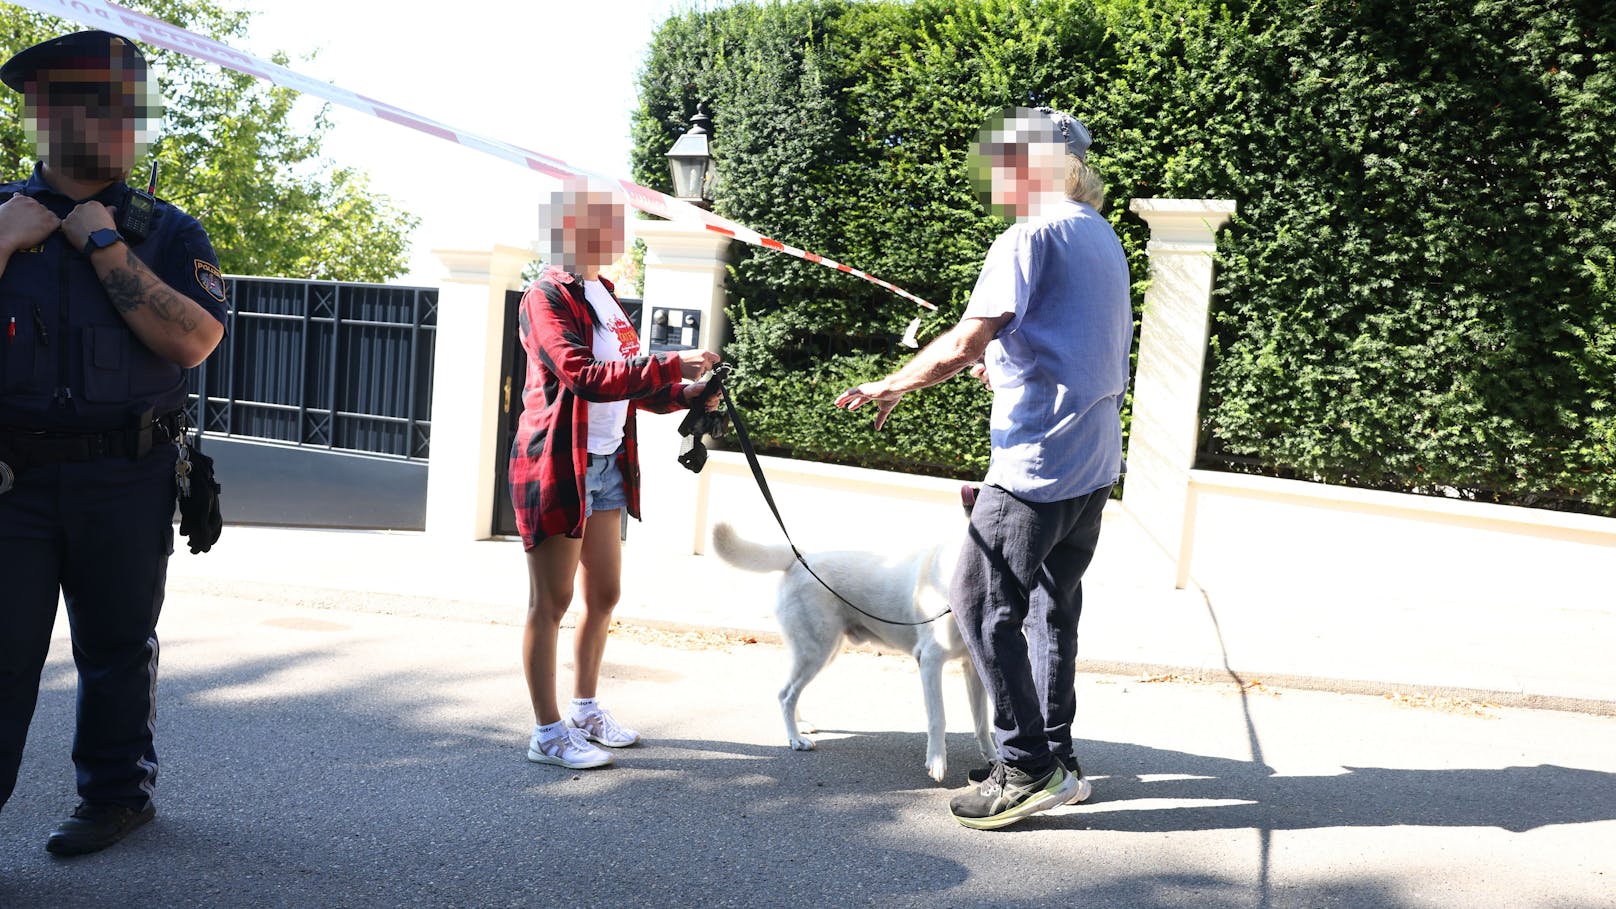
555	78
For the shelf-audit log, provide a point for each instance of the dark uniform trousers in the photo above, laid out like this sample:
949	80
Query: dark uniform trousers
100	533
95	532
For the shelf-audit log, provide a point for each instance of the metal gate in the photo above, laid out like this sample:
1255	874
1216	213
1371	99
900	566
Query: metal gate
323	364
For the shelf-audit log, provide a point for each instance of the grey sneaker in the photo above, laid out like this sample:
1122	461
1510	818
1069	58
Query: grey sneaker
1010	794
600	726
1085	789
567	748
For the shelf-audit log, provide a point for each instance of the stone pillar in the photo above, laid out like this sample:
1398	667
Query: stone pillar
467	389
1167	379
684	269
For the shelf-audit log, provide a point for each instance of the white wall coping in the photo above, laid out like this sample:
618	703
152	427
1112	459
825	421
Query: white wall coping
841	475
1182	225
476	266
1199	207
1559	525
682	240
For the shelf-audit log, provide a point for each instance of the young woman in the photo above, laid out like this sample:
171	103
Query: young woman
574	465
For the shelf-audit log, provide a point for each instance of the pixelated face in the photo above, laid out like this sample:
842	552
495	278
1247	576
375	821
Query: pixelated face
1017	163
93	123
582	229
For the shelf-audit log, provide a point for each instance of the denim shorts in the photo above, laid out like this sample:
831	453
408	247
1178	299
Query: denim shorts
603	484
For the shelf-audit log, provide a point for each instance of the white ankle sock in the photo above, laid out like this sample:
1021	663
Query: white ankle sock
582	707
549	730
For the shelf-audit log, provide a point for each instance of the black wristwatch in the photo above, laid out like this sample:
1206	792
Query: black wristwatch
101	239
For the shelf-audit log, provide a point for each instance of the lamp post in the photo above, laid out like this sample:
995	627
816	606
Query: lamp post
690	162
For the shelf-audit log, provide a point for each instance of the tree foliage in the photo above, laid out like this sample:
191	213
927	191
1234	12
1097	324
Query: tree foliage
1418	293
233	153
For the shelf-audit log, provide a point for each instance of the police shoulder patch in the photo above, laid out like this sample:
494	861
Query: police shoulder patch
207	275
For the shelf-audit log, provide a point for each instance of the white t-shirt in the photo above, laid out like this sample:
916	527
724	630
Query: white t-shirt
615	341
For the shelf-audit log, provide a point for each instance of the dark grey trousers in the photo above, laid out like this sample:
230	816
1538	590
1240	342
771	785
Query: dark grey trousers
1017	594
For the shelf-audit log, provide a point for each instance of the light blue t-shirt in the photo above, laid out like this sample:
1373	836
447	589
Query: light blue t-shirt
1059	368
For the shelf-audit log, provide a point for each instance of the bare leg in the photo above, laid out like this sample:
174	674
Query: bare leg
602	576
550	569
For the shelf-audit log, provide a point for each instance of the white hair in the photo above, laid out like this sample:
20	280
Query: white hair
1084	183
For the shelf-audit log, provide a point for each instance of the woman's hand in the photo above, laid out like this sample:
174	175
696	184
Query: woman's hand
692	363
695	390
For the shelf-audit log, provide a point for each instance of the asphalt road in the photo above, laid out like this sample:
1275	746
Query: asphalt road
333	758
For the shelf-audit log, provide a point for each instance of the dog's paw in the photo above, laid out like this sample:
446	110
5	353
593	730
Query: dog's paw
802	743
937	767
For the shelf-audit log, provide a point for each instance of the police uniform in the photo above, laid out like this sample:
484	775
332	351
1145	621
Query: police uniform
87	419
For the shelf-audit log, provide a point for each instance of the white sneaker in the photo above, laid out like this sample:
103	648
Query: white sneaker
567	748
599	726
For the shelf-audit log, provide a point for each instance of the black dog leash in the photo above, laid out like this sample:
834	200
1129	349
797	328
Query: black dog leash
763	487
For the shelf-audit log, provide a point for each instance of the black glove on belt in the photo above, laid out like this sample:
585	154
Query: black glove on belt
200	520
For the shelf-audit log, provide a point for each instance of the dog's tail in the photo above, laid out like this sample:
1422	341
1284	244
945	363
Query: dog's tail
747	555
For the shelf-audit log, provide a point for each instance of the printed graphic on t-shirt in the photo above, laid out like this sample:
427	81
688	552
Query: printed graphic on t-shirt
627	340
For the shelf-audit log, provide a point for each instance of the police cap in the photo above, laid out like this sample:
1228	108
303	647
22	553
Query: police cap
94	50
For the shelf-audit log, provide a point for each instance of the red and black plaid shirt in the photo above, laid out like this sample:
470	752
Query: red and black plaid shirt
551	452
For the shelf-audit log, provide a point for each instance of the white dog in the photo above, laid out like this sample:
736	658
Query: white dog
905	587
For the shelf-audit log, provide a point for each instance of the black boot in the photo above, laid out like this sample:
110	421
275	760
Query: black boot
95	827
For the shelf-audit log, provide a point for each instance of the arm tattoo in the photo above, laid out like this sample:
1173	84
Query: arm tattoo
123	287
128	292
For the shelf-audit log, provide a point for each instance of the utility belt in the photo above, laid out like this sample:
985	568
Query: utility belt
23	450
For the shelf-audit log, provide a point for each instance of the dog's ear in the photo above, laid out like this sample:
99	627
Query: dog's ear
968	497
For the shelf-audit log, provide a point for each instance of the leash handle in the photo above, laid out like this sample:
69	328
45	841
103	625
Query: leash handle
768	497
696	419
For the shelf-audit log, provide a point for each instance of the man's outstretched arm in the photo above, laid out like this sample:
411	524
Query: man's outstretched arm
942	359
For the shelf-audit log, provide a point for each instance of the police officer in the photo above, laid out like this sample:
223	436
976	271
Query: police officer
100	315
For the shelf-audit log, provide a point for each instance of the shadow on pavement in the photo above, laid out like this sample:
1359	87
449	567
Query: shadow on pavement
366	794
1510	798
374	790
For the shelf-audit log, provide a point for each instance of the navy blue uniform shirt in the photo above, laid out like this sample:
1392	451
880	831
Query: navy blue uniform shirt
68	361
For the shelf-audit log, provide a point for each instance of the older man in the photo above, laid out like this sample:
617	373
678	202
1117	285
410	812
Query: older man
1051	323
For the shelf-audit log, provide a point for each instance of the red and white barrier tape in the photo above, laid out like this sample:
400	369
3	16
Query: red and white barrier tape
140	27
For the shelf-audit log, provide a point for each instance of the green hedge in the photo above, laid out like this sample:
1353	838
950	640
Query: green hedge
1419	291
1421	296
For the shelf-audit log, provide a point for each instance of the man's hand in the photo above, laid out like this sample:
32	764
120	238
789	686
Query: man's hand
883	397
84	220
24	223
942	359
693	363
979	371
